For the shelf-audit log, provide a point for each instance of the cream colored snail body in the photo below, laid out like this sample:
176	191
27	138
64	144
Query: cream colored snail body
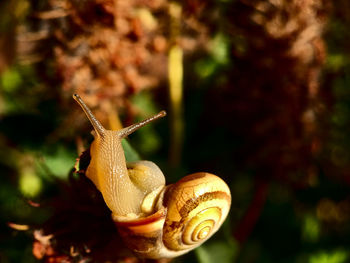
155	220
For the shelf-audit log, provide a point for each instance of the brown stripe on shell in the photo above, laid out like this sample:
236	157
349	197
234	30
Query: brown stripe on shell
145	243
176	229
193	177
186	202
193	203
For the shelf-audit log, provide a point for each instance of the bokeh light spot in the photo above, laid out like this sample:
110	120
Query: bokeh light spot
311	228
30	184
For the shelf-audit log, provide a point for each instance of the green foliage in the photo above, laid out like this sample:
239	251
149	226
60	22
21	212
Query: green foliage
130	154
207	66
216	252
337	256
57	162
11	80
146	141
311	228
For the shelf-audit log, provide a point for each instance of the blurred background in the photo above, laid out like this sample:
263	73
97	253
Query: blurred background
257	92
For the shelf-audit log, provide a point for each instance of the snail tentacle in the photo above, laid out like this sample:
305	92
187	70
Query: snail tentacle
155	221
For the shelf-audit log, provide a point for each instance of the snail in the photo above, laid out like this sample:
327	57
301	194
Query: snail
155	221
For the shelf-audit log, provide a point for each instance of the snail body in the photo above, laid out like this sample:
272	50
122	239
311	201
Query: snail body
154	220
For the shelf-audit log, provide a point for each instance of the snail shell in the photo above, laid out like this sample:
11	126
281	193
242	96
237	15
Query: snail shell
155	221
187	214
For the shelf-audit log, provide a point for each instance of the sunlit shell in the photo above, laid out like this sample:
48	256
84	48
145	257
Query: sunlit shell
142	235
197	206
188	213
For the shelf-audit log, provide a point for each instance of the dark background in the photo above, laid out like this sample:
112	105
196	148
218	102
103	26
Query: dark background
265	106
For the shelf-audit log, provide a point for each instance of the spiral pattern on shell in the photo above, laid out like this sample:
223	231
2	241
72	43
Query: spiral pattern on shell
187	213
197	205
